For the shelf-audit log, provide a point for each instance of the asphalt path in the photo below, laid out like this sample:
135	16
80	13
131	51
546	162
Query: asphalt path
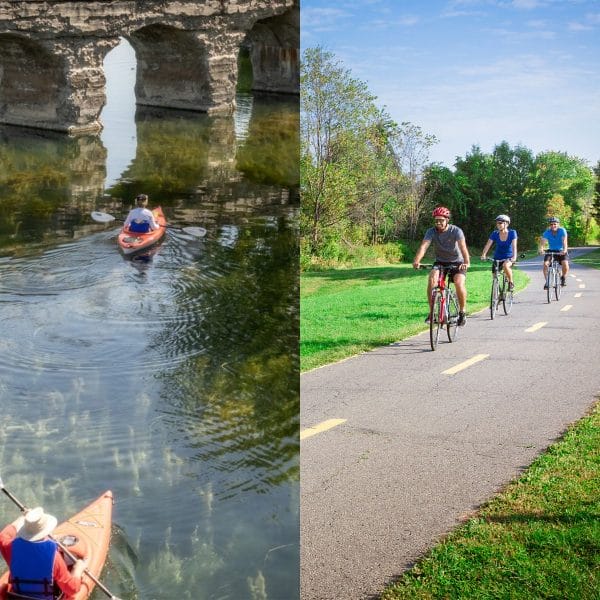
395	452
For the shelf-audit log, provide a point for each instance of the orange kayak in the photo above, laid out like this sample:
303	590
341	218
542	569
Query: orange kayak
86	534
131	242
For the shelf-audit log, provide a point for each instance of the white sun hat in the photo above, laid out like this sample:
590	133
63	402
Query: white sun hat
37	525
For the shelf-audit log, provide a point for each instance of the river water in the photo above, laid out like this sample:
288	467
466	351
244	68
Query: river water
170	378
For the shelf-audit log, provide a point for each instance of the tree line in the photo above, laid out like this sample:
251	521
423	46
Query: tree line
367	180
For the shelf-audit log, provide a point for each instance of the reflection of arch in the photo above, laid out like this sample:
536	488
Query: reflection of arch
274	44
32	82
172	68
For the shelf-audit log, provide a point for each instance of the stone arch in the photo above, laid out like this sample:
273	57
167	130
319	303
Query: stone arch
274	44
32	82
172	68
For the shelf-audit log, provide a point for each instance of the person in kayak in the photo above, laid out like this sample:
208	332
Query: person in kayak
36	566
140	219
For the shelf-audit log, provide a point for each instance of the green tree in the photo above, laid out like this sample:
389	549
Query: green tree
337	113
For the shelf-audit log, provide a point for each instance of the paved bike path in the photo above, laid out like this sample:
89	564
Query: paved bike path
419	449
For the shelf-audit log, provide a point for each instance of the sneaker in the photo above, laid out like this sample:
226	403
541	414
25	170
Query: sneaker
462	319
511	286
563	281
427	320
545	287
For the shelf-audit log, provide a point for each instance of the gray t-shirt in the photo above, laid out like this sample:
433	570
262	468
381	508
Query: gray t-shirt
446	243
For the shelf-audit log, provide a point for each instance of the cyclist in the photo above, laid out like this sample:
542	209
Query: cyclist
450	251
557	240
506	247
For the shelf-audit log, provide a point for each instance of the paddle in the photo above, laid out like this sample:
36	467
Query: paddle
102	217
23	509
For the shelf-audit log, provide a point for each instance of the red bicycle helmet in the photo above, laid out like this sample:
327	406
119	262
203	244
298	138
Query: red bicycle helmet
441	211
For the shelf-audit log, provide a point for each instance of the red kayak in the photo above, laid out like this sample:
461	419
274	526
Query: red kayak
86	535
131	242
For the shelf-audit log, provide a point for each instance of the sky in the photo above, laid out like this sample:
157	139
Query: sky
473	72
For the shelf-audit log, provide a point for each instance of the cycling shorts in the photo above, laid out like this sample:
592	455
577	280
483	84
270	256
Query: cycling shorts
559	257
500	264
453	268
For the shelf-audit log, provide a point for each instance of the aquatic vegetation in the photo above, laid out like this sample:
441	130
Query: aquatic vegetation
257	587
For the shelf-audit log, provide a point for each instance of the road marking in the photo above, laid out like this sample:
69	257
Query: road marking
320	427
536	326
577	279
578	295
566	307
463	365
581	286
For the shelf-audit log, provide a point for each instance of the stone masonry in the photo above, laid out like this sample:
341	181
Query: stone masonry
52	53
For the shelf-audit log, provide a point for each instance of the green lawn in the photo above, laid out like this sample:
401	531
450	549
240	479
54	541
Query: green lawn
347	311
591	259
539	539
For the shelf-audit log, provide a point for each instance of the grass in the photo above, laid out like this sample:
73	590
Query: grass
591	259
348	311
539	539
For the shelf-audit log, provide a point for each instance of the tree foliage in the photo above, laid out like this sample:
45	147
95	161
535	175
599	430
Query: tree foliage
515	182
361	173
367	180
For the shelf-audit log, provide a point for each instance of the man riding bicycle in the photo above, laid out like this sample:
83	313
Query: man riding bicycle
556	239
450	252
506	247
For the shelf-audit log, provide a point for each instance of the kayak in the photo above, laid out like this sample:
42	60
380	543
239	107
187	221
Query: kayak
131	242
86	534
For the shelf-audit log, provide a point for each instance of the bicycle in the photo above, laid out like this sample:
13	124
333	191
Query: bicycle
500	290
444	307
553	276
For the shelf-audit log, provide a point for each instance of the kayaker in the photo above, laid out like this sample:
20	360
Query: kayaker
35	563
140	219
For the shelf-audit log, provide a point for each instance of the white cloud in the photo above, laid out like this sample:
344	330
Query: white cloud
575	26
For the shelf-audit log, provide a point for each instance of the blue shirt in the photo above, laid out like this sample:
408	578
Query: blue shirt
503	249
555	242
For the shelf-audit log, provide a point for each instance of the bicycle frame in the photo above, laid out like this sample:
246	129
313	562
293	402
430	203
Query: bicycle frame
443	309
553	276
500	290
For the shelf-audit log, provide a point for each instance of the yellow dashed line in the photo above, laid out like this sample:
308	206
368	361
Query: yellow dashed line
578	295
566	307
536	326
320	427
581	286
467	363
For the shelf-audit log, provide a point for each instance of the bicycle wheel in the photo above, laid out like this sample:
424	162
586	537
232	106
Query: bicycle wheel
452	313
557	286
507	297
435	319
549	285
494	298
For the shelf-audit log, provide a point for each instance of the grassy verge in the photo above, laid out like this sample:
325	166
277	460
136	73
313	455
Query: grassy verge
591	259
539	539
348	311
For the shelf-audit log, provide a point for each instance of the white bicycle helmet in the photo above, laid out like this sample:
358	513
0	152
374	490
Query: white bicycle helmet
504	218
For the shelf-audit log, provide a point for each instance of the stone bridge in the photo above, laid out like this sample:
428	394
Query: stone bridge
52	53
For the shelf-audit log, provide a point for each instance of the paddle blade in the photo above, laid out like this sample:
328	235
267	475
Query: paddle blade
195	231
101	217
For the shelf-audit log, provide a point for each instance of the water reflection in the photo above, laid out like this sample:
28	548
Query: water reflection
172	380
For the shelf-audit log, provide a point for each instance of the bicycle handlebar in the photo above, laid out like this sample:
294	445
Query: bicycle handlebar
430	266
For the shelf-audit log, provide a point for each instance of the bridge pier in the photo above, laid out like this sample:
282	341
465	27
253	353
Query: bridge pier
185	70
274	53
54	84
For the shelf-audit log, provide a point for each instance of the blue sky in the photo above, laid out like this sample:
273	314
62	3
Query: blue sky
474	71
